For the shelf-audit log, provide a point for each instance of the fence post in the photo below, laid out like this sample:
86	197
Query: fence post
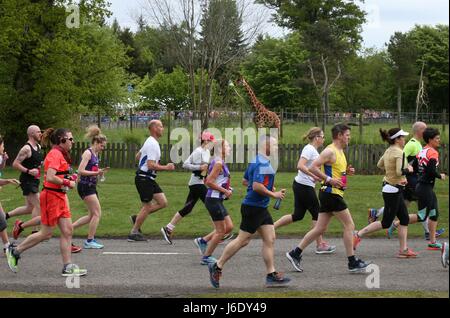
361	123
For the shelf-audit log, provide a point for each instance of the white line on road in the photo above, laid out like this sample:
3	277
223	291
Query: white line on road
142	253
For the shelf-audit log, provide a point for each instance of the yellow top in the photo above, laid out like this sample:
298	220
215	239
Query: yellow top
393	161
337	170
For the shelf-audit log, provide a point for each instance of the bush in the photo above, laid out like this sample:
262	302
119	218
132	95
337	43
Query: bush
132	138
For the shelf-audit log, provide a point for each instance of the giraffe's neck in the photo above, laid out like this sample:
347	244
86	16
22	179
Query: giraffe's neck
256	103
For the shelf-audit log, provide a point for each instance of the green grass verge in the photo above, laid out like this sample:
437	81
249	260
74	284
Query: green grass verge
331	294
292	133
13	294
119	199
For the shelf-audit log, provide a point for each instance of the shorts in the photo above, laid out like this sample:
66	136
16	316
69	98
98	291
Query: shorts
146	188
85	190
410	190
330	202
54	206
216	209
254	217
29	186
305	199
427	203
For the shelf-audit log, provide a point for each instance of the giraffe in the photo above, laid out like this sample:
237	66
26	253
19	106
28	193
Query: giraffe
263	117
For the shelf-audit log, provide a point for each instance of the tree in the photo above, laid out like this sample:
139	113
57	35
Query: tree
331	32
403	54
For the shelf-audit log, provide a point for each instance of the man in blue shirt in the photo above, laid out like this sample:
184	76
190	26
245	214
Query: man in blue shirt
259	179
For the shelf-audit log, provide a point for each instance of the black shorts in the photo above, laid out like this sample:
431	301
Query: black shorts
409	193
254	217
216	209
29	186
85	190
146	188
330	202
427	203
305	199
196	192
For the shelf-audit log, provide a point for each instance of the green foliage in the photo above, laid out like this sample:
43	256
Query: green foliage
132	138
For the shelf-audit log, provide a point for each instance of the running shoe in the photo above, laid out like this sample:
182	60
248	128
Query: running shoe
133	221
444	255
17	229
390	231
12	258
73	270
438	233
226	238
208	260
201	245
359	266
277	280
75	249
94	245
372	215
167	235
408	253
434	246
325	248
356	240
214	275
136	237
295	261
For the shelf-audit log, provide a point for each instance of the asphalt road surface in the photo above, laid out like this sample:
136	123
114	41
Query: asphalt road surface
156	269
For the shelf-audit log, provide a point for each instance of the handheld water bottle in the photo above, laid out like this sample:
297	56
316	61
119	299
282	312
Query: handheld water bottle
277	204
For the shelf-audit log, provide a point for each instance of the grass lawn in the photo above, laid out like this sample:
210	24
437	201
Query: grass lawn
13	294
119	199
292	133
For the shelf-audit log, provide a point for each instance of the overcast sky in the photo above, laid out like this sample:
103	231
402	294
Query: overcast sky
384	17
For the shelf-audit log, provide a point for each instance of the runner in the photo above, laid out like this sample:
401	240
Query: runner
3	225
197	162
428	160
305	197
28	162
54	203
259	179
396	167
411	150
334	175
145	180
87	186
219	189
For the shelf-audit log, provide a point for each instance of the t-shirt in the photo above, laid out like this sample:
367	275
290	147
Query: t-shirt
260	170
412	149
149	151
428	162
55	160
393	162
198	157
310	154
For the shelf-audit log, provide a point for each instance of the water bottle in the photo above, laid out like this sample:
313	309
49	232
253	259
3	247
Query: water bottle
277	204
344	181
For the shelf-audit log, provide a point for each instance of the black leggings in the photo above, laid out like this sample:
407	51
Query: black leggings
196	191
394	206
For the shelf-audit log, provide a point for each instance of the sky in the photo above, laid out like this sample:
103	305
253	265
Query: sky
384	17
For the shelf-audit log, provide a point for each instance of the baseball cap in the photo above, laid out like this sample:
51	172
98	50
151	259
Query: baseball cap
207	136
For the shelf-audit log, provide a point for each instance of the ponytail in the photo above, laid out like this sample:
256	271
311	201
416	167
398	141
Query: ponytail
94	133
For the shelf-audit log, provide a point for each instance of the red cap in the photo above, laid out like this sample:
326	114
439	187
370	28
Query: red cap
207	136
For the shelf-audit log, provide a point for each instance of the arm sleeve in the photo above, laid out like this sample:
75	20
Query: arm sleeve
431	170
189	163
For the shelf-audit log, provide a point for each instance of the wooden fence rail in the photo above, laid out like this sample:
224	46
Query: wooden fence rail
363	158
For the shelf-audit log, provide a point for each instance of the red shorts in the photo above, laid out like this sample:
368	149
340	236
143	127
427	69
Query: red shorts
54	205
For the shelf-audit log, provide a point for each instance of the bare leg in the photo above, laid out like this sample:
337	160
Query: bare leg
284	220
346	219
65	241
318	230
149	208
267	233
233	247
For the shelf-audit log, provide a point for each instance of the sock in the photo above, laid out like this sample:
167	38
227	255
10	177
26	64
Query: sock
89	240
272	274
32	232
425	226
352	259
298	252
134	231
217	267
7	215
380	212
16	253
6	245
170	227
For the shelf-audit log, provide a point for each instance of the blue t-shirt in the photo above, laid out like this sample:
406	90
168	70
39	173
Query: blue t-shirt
260	170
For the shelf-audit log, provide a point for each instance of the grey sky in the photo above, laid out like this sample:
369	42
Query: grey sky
384	17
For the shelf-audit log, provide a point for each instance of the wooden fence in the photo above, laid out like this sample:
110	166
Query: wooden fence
363	158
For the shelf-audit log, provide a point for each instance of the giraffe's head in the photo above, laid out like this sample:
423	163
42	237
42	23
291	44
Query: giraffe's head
241	80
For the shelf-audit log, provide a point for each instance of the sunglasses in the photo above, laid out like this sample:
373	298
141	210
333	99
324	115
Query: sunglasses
63	140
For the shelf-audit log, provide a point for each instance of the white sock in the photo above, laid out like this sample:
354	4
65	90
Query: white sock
380	212
6	245
170	227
